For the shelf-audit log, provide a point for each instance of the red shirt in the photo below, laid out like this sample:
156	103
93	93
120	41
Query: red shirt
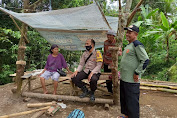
107	57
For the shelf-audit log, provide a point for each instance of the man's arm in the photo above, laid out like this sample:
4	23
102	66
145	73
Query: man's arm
99	60
81	64
143	58
80	67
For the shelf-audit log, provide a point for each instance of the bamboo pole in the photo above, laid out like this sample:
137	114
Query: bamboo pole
24	113
67	98
19	29
30	105
38	114
158	89
160	86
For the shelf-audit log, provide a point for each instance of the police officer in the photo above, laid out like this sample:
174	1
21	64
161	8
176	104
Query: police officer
92	60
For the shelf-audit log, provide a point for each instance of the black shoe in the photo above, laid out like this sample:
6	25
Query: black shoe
85	92
92	96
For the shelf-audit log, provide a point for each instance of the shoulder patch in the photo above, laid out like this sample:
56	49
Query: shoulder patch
99	57
136	43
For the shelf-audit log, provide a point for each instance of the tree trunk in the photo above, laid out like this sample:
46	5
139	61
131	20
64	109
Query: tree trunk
167	56
115	75
123	17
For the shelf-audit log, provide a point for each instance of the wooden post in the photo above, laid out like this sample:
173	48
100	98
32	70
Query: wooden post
21	54
29	84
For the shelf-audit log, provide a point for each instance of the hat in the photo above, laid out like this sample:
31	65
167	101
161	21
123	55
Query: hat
132	28
111	32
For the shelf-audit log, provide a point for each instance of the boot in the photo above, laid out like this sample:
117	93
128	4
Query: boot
85	92
92	96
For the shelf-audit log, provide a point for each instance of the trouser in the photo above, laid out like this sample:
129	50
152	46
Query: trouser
108	82
82	75
129	99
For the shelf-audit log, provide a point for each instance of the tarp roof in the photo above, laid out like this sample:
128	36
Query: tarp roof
69	28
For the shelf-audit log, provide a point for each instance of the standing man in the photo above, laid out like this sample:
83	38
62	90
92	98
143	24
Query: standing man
107	56
133	63
92	60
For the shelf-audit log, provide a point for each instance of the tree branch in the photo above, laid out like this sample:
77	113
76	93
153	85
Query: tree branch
134	12
34	5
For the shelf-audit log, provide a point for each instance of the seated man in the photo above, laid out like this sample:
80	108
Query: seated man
92	60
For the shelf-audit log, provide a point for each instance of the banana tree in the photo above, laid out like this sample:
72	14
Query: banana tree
166	31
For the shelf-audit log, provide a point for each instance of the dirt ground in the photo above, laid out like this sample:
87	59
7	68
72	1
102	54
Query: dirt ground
153	104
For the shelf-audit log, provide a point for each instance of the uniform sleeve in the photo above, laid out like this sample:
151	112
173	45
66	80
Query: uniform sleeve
81	64
99	60
143	58
63	61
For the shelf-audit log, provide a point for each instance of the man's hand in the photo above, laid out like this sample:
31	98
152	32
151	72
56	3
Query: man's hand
136	78
74	74
70	72
90	76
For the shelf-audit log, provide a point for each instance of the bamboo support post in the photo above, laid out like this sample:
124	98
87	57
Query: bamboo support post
74	90
29	84
67	98
21	55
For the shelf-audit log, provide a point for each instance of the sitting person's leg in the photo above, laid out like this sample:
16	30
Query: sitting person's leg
78	82
108	82
55	78
44	76
93	85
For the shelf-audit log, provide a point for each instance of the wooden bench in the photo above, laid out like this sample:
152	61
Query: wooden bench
103	77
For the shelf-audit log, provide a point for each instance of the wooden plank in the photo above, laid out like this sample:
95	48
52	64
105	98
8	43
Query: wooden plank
24	113
26	76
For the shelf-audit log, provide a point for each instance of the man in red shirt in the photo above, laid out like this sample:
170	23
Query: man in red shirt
107	57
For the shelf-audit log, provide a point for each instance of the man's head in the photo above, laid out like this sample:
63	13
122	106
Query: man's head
89	44
132	33
111	34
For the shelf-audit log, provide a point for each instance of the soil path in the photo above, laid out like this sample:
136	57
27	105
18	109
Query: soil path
153	104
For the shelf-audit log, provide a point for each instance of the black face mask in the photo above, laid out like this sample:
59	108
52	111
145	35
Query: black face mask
88	47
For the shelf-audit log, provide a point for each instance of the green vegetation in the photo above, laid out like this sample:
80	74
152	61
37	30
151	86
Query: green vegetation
158	32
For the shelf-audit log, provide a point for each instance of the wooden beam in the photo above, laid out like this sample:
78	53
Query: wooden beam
65	97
